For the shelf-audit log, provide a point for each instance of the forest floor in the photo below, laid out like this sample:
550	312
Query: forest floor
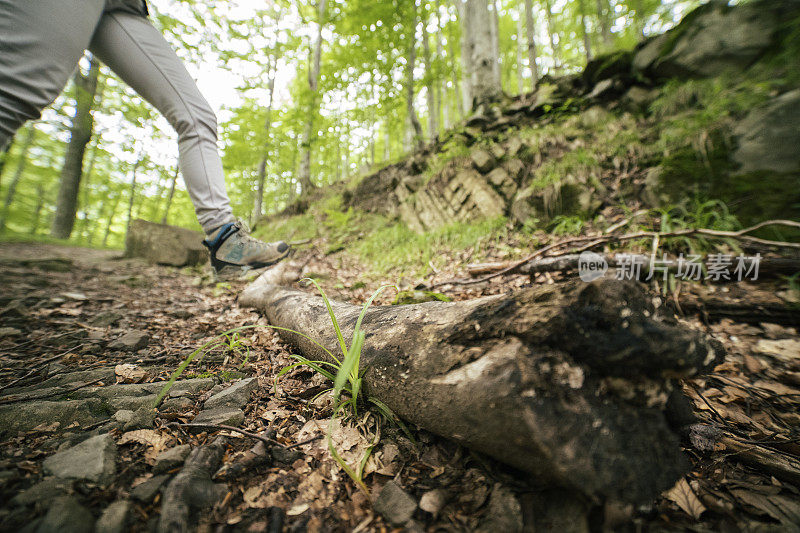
77	324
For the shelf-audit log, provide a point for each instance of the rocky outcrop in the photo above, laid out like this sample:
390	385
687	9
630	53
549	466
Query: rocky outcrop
769	136
165	245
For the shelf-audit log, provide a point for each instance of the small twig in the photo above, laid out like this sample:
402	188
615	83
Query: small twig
738	235
223	427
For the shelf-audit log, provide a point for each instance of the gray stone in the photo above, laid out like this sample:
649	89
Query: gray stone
769	137
504	513
236	395
46	490
639	97
91	460
105	319
713	39
165	245
172	458
123	416
131	341
514	168
114	519
26	416
483	160
176	404
513	146
394	504
433	501
603	87
145	492
229	416
66	515
142	418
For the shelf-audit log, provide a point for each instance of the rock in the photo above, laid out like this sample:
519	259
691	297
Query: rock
145	492
504	513
483	160
26	416
715	38
123	416
229	416
769	138
394	504
46	490
639	97
500	179
176	404
135	396
66	515
236	395
172	458
513	146
10	332
165	245
514	168
433	501
285	456
91	460
105	319
114	519
131	341
498	152
142	418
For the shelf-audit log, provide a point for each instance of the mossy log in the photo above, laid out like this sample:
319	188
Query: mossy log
567	382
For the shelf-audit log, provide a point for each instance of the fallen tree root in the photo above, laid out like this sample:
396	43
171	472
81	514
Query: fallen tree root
192	488
567	382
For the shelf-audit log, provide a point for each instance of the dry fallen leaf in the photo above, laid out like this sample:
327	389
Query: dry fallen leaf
155	441
128	373
683	495
784	349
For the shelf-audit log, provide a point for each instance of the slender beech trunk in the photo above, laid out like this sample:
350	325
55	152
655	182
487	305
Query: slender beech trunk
37	212
520	59
485	81
603	15
551	32
433	115
387	142
587	42
415	128
496	43
132	195
27	142
442	107
87	190
530	27
258	209
80	134
466	57
639	18
313	83
170	195
110	221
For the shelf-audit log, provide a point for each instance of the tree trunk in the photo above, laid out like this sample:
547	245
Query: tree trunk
530	26
313	83
433	114
603	12
520	60
37	212
466	57
551	32
171	195
587	43
80	135
132	196
415	128
443	109
4	151
258	209
495	27
485	81
639	18
87	191
110	221
567	382
27	141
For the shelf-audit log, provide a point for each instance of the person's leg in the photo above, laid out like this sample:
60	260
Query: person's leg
134	49
41	41
138	54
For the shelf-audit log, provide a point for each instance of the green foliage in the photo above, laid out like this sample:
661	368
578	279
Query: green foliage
566	225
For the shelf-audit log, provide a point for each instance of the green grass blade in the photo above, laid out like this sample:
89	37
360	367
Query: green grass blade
350	361
339	335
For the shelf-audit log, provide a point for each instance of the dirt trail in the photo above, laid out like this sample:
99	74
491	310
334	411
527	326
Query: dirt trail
70	316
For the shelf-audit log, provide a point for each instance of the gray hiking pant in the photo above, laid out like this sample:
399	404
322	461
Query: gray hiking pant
41	42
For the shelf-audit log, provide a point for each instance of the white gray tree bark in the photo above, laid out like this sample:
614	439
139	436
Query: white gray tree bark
530	26
485	79
304	173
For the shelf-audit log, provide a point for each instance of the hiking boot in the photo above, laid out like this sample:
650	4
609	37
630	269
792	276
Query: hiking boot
234	251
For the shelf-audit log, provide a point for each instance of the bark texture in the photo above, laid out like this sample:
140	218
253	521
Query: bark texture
481	48
80	134
566	382
530	26
12	187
